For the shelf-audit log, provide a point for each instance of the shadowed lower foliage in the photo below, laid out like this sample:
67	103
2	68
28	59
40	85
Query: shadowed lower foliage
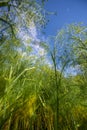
30	117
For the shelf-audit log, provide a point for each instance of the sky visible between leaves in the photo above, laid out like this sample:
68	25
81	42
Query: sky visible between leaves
68	11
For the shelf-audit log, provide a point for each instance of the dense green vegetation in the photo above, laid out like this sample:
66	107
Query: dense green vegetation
33	94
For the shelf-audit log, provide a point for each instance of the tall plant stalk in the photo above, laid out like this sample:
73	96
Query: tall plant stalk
53	56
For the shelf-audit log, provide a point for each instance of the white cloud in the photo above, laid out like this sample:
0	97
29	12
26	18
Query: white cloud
31	35
37	50
33	30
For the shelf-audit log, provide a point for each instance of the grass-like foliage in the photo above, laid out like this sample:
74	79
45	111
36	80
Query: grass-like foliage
33	94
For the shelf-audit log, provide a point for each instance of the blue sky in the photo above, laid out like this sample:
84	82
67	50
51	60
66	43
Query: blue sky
68	11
